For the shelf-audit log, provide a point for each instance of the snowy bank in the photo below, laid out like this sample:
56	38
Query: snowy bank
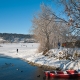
28	52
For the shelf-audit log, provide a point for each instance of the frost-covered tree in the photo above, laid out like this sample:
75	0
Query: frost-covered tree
47	30
72	11
43	28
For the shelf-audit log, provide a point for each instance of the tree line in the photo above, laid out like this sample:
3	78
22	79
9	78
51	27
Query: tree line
11	36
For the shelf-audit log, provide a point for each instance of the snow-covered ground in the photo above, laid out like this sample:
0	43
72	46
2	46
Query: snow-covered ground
28	51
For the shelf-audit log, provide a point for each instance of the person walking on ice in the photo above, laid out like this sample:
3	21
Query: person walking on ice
17	50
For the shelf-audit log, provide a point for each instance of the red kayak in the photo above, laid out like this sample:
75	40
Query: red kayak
62	74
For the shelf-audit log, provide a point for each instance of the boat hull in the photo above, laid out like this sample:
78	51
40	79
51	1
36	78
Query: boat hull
61	74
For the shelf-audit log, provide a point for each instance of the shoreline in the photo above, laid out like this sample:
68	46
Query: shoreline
31	56
45	67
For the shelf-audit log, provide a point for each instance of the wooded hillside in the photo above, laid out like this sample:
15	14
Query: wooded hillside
10	37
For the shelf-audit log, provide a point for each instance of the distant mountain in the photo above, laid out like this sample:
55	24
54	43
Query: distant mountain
9	37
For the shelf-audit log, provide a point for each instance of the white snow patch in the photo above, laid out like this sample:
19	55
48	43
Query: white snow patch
28	51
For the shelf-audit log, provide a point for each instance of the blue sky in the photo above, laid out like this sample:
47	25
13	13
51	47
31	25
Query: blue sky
16	15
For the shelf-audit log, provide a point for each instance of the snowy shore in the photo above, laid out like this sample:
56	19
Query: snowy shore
28	52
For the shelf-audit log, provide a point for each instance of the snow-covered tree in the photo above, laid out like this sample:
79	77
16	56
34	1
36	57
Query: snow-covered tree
72	11
47	30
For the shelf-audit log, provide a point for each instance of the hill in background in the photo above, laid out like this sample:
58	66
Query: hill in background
16	38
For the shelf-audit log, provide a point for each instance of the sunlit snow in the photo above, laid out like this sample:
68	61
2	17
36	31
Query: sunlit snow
28	51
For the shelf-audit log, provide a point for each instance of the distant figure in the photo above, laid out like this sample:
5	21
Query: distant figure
59	45
17	50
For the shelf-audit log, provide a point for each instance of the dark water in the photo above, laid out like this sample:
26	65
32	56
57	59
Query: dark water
16	69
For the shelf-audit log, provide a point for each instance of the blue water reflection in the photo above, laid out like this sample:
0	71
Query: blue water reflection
16	69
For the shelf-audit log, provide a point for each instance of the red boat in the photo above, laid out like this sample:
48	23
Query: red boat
62	74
